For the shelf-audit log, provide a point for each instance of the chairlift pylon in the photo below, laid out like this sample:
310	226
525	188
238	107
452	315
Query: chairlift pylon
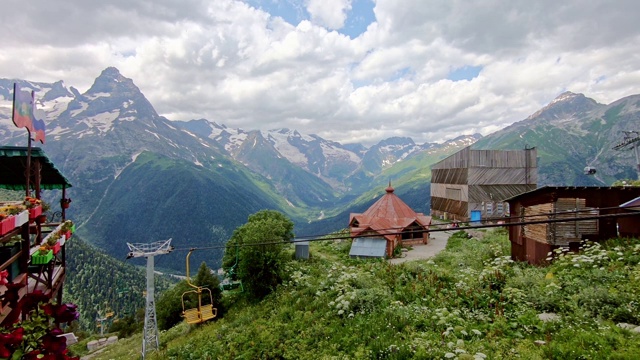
201	313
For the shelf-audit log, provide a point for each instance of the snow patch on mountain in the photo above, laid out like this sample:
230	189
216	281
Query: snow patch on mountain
331	151
55	107
280	141
97	95
103	121
83	106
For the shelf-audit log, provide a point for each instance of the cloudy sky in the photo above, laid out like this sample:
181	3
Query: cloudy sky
347	70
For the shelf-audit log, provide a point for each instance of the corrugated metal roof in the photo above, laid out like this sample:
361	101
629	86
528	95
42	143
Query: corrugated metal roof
13	160
368	247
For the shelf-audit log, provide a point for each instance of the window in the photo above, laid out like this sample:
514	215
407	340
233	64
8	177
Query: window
489	208
453	194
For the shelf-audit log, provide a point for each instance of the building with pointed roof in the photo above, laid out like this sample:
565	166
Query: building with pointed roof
390	220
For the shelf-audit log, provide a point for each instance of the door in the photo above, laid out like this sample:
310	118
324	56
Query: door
475	215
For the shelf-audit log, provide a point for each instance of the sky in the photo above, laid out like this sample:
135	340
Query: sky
346	70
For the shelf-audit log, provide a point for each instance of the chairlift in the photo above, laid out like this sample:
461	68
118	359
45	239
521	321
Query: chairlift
589	170
229	284
201	313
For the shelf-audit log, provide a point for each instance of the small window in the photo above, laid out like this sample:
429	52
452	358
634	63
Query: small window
500	208
489	209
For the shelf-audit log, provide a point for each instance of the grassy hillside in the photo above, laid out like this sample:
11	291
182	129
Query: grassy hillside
469	302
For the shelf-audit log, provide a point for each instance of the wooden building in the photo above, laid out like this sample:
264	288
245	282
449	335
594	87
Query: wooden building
532	242
389	220
630	226
27	230
472	185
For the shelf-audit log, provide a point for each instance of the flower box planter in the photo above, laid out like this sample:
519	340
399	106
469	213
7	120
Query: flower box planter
67	235
7	225
62	241
56	248
34	212
22	218
39	259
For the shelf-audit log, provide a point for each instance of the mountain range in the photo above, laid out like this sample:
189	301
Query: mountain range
139	177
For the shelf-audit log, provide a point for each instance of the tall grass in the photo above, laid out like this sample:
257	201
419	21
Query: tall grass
469	302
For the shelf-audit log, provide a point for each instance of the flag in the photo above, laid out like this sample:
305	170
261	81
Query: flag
38	126
22	108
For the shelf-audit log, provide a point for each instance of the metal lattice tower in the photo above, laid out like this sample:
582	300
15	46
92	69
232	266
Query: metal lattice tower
631	141
150	337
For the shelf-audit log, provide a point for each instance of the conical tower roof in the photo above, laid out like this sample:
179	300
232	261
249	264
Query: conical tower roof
387	216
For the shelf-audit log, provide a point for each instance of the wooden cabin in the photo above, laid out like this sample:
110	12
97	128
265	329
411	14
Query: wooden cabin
473	185
28	230
389	222
532	242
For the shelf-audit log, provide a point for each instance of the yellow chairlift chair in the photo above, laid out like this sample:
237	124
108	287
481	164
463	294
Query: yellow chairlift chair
201	313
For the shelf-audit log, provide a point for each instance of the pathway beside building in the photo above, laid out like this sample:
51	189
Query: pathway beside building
437	243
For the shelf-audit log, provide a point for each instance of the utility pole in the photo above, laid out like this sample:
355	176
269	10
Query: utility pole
631	141
150	338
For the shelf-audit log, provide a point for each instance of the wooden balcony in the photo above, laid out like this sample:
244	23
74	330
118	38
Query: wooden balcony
47	278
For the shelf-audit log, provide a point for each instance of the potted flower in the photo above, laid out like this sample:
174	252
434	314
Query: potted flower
64	203
53	242
67	229
19	211
42	256
34	206
7	223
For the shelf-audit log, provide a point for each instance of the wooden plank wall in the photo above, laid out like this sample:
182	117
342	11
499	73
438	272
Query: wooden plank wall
480	193
538	232
457	160
489	158
449	176
566	232
560	233
502	176
440	190
455	209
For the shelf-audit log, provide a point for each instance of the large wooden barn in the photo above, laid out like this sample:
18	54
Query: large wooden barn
472	185
532	242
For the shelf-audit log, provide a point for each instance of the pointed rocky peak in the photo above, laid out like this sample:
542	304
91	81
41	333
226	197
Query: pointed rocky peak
565	105
57	90
112	82
566	96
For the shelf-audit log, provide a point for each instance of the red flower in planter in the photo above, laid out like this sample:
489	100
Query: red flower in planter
9	341
64	313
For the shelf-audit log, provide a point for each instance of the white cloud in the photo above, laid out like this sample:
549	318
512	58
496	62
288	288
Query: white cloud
237	65
329	13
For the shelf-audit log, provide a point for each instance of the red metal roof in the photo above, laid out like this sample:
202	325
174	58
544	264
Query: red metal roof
387	216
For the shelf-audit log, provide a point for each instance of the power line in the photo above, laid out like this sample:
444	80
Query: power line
483	226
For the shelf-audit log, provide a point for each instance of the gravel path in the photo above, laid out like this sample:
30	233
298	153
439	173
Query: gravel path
437	243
